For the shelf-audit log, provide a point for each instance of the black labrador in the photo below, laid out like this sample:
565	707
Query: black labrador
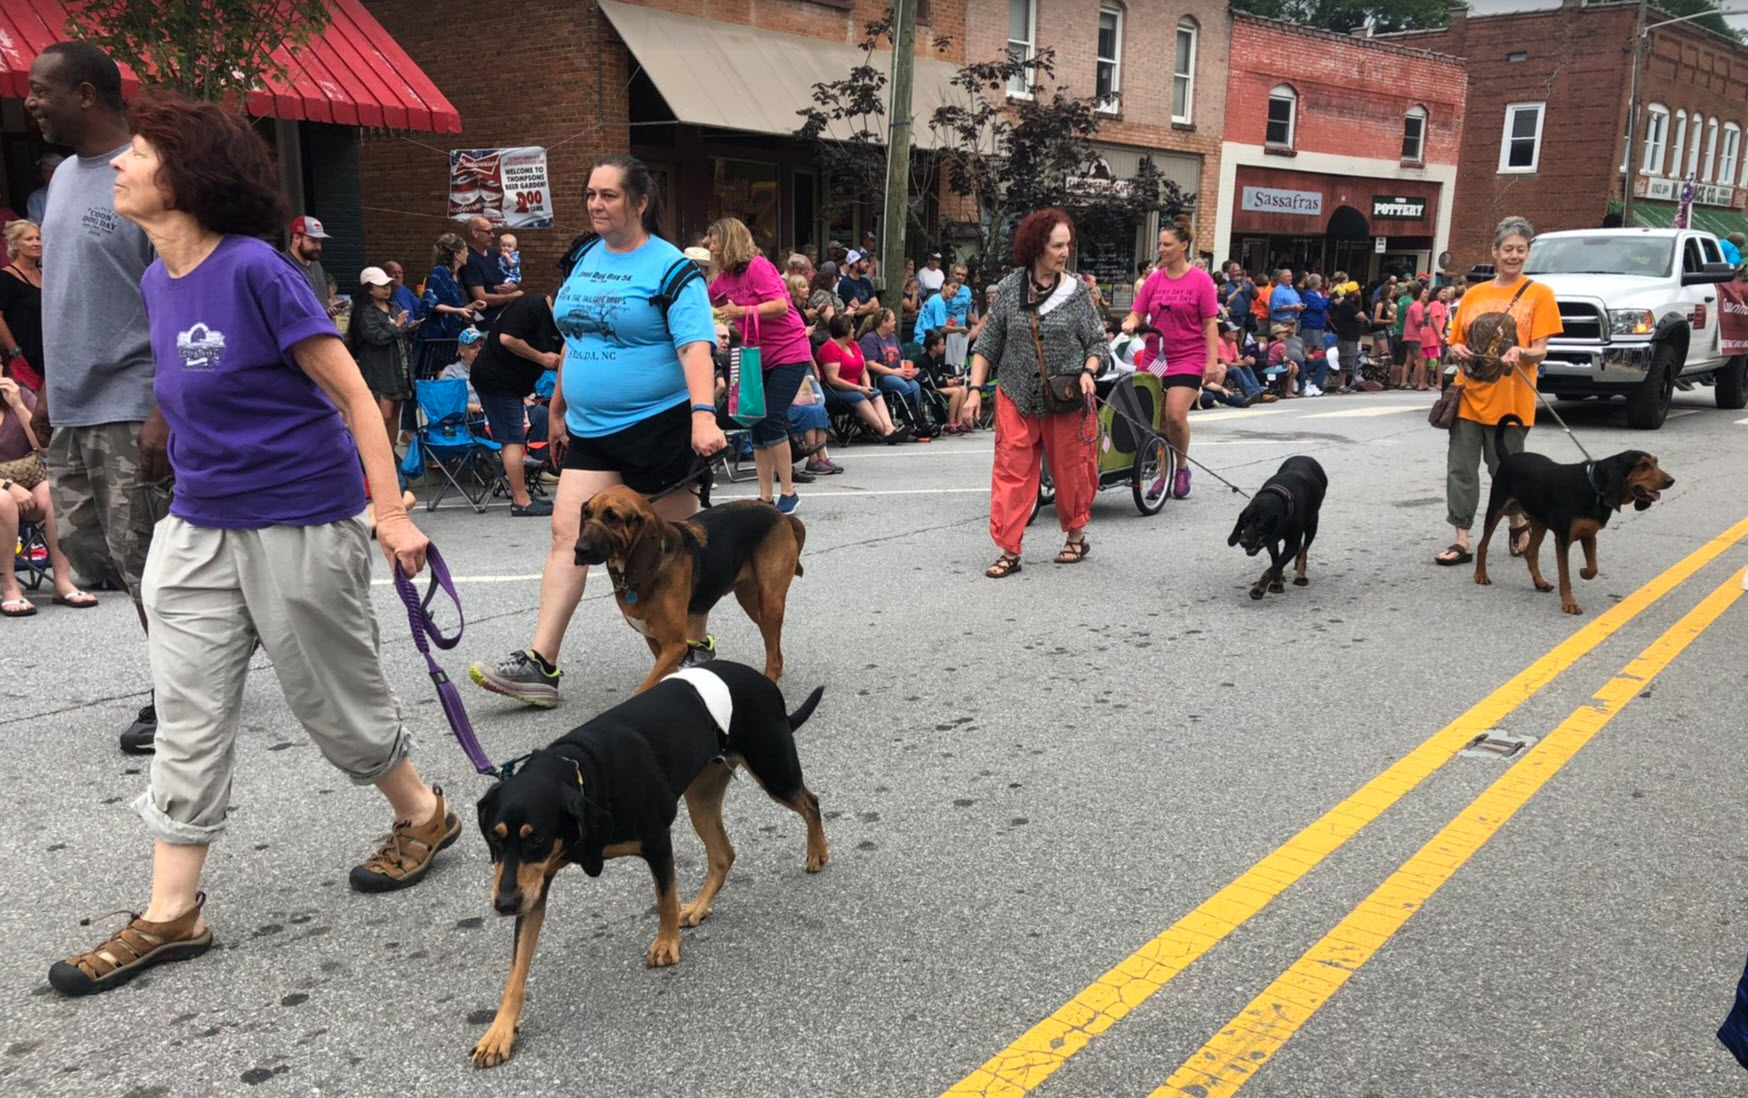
610	789
1282	518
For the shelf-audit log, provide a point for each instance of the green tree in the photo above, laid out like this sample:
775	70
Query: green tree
218	50
1342	16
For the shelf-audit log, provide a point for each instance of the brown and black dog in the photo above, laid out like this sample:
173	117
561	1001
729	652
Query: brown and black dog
665	572
1574	501
610	788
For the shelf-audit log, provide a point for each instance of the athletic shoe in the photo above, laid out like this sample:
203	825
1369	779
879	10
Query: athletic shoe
1154	492
521	675
137	740
535	508
801	476
698	652
1180	486
832	467
788	503
820	468
1313	391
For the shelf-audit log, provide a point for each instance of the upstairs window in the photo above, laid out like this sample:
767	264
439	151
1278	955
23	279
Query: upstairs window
1183	72
1520	146
1414	135
1656	139
1108	82
1022	31
1732	148
1283	106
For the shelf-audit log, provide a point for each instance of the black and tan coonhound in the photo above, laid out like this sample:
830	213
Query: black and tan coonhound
664	572
610	789
1573	501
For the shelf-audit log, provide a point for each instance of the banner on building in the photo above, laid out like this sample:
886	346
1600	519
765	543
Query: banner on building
1733	318
508	186
1271	200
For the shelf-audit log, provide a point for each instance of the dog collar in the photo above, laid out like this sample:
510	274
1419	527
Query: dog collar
1590	476
1284	494
629	594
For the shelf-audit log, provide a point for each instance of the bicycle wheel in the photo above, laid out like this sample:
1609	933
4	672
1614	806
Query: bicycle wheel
1153	470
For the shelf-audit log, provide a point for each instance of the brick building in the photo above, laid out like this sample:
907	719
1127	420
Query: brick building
1166	65
1340	151
1548	99
706	92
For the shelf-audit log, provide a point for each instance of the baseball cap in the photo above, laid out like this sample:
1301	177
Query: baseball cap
828	267
374	276
697	254
934	255
853	257
469	336
310	227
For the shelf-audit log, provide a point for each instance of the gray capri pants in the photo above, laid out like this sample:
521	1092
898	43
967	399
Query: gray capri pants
1470	444
305	592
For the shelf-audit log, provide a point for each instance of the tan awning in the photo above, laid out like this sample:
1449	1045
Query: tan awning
735	77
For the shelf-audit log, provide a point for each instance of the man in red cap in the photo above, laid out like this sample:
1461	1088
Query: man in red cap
307	235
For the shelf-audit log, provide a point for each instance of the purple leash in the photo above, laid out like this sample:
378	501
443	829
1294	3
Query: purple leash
425	634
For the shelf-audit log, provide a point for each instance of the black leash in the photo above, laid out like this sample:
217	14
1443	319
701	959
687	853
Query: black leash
1550	407
1148	429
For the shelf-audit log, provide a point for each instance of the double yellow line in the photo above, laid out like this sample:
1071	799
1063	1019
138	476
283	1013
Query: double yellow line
1238	1049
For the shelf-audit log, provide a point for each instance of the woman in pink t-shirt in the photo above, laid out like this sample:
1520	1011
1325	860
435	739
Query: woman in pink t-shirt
1432	336
750	290
1177	301
843	369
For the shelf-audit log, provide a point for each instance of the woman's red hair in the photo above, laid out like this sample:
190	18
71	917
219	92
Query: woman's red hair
213	164
1034	232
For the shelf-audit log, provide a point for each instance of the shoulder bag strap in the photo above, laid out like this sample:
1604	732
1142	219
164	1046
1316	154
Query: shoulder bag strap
1038	345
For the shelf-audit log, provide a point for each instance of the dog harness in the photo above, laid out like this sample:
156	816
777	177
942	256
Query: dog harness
1284	494
715	695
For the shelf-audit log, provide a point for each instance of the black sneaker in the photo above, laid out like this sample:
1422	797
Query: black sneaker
520	675
698	652
537	507
138	738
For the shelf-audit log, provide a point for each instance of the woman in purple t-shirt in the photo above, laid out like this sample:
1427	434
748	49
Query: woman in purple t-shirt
750	290
265	542
1177	301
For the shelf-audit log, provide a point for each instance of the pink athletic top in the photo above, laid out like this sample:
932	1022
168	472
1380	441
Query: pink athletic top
850	363
1180	308
781	339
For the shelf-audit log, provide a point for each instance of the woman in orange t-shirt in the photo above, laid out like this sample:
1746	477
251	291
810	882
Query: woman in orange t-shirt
1485	403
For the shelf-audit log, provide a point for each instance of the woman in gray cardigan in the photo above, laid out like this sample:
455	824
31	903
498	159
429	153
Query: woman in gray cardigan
1073	342
375	338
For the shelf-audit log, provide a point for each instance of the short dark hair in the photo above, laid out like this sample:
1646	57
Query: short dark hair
839	326
934	337
635	176
1034	232
215	166
84	63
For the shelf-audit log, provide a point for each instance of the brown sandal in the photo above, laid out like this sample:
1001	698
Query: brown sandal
131	950
1074	552
1003	567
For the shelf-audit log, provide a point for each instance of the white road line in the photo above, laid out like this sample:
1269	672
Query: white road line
1364	413
1216	416
876	492
419	581
1742	423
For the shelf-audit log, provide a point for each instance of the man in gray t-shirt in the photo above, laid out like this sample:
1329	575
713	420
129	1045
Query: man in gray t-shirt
305	250
108	448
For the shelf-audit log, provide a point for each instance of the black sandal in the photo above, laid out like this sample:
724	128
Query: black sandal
1454	554
1003	567
1073	552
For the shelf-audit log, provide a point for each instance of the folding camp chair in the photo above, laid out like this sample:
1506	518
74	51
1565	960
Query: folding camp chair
30	562
445	439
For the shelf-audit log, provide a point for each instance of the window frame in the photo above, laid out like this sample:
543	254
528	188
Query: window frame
1693	141
1290	95
1115	104
1709	168
1031	44
1505	137
1678	135
1416	113
1729	155
1647	164
1189	26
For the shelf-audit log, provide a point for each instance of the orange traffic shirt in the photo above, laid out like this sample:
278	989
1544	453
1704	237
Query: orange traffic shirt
1537	314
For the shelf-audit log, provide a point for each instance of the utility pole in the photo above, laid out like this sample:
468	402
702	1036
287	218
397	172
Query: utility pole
897	213
1633	120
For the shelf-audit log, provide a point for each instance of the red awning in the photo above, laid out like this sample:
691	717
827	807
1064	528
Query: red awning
354	74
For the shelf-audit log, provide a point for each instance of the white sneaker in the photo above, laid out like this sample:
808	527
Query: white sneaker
1313	391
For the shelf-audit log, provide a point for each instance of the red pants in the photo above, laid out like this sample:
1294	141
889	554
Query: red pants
1020	441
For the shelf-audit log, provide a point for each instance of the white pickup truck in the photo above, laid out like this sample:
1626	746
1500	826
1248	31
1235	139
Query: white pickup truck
1640	312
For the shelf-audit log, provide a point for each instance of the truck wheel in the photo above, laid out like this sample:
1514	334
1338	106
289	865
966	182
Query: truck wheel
1732	385
1648	405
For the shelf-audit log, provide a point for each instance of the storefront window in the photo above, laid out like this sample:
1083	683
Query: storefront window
748	190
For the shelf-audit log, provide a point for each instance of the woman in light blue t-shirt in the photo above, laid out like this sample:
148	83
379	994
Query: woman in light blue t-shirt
635	402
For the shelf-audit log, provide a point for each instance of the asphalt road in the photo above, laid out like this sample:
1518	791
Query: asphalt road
1102	829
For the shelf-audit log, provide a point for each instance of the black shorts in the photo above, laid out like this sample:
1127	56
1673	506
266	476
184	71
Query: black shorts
650	456
1180	381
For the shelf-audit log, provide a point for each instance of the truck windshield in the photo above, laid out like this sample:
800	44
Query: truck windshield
1646	257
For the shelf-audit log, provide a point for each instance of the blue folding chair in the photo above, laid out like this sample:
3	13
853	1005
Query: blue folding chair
30	561
446	439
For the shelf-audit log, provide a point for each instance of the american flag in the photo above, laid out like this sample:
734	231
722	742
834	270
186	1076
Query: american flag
1684	210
